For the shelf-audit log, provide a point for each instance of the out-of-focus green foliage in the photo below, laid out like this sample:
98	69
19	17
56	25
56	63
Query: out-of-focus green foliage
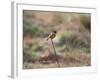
32	30
73	41
28	55
62	41
86	21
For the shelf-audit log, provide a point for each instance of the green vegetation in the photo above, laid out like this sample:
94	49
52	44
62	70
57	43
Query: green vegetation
86	21
28	55
73	42
32	30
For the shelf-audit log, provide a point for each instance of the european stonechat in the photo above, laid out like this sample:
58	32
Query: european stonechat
51	35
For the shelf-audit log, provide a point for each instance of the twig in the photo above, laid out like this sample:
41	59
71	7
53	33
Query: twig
55	54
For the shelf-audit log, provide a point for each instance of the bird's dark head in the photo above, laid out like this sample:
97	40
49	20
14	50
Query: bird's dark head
55	31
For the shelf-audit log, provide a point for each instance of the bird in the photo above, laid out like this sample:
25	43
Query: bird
51	35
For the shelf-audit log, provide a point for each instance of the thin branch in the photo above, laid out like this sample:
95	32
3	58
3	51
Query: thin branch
55	54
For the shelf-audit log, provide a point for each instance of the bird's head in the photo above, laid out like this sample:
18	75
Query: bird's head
55	32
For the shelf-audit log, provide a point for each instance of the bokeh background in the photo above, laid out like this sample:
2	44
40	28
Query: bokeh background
72	42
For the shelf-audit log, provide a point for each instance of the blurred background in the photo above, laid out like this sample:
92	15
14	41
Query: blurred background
72	41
